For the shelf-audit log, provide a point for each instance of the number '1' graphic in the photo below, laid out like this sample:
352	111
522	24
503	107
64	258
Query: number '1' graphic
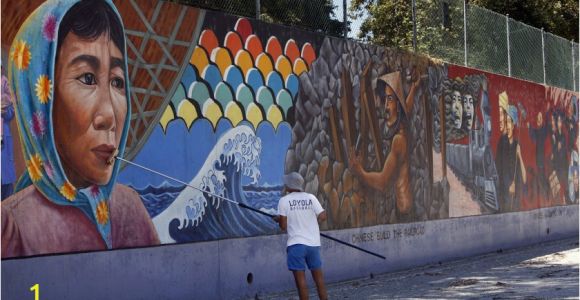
36	289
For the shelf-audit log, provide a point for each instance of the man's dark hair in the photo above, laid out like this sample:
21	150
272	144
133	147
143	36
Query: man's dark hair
89	19
380	91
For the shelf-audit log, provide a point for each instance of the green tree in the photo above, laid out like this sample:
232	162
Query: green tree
440	30
314	15
558	17
390	23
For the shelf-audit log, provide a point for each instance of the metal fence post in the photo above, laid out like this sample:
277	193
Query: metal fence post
414	3
573	65
507	33
543	56
464	33
258	9
344	19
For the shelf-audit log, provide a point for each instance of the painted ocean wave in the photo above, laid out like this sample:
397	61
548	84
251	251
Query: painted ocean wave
193	215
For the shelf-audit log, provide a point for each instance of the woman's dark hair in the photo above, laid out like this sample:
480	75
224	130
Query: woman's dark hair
89	19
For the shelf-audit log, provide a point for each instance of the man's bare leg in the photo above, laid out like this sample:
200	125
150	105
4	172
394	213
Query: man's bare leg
300	279
319	280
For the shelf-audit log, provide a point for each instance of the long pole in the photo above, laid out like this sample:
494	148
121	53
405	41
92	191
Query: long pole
242	205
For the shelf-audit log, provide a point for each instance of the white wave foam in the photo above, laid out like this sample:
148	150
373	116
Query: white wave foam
240	147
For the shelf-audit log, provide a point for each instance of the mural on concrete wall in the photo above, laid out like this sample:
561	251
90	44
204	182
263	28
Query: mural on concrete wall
234	105
564	144
360	137
68	76
229	105
519	153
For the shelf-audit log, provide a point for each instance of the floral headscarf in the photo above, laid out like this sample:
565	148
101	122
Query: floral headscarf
32	65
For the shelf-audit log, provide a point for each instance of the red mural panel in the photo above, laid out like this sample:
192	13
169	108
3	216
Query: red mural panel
545	128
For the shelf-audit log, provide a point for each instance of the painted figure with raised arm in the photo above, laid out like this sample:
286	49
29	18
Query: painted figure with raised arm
395	171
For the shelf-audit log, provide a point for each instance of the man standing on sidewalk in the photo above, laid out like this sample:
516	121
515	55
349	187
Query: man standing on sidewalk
299	214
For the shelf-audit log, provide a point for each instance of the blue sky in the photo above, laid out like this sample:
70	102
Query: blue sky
355	25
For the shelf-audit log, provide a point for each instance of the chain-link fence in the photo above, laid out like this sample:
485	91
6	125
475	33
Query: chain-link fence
445	29
313	15
526	51
487	41
576	62
440	30
558	57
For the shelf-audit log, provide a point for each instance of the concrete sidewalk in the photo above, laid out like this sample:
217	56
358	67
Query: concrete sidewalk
548	270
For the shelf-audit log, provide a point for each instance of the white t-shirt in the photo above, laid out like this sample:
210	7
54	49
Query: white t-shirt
302	210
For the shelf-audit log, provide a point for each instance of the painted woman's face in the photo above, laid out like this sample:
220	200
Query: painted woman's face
457	109
468	110
89	109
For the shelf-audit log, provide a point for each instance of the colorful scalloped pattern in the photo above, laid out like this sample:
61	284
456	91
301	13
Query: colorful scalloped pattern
239	79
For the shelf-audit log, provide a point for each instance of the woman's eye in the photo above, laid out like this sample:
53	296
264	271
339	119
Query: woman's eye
87	78
118	83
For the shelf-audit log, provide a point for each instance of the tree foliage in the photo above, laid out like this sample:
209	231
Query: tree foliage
390	23
313	15
440	28
558	17
308	14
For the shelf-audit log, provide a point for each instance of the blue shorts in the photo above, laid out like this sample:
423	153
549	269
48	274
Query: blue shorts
300	256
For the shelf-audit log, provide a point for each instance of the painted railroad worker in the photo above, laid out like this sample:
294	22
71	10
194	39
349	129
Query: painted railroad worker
512	173
299	214
538	135
559	151
571	121
395	172
68	199
573	175
501	148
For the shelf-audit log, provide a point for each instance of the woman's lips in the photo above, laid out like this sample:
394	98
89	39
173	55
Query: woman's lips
104	152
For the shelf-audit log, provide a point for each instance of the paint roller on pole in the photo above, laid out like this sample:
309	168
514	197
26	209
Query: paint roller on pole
242	205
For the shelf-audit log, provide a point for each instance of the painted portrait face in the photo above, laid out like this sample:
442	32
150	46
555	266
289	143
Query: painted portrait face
391	109
457	109
509	127
539	119
89	109
468	110
502	120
